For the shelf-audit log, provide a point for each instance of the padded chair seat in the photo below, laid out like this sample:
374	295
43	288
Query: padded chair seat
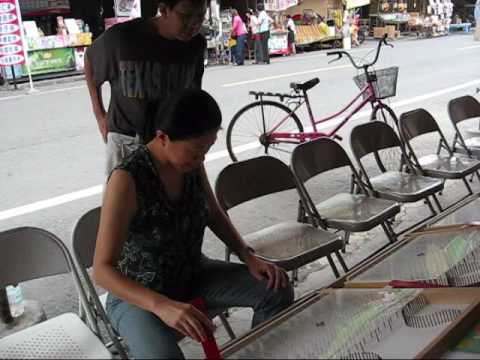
354	213
62	337
448	167
305	86
403	187
292	244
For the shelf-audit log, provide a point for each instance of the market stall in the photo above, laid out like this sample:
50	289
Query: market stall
424	18
55	42
317	23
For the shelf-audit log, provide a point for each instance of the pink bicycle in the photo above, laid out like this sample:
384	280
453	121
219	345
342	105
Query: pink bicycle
273	126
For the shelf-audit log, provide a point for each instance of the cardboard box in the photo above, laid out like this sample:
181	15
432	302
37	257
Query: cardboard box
378	32
390	31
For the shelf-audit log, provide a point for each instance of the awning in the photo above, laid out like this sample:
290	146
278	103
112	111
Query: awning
351	4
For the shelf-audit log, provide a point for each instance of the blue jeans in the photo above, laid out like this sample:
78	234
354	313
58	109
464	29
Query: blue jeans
221	285
240	49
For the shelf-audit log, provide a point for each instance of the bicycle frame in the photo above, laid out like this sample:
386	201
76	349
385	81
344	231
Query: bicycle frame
286	137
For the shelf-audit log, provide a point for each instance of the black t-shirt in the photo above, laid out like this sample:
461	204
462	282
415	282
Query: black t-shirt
143	70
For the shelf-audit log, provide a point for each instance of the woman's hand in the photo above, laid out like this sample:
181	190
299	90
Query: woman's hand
185	318
262	270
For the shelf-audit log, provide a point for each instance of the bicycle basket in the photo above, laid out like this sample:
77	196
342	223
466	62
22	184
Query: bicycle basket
386	84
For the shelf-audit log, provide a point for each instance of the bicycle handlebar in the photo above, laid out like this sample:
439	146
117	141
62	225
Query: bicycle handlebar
382	41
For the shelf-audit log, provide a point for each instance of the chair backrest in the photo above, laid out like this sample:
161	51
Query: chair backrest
84	237
371	137
317	156
463	108
246	180
29	253
417	122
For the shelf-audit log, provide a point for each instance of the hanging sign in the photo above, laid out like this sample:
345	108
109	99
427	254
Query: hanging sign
12	48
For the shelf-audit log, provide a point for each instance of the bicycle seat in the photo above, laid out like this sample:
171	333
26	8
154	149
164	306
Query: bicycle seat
307	85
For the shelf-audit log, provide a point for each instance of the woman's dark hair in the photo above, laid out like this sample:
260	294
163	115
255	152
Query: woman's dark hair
260	7
289	16
187	114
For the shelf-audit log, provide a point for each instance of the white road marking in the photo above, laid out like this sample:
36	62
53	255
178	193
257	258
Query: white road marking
46	92
469	47
95	190
286	75
48	203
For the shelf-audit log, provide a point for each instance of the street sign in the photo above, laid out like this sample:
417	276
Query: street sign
12	47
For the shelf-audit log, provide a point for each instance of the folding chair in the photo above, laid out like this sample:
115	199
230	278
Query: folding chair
288	244
84	239
344	211
419	122
29	253
403	187
461	109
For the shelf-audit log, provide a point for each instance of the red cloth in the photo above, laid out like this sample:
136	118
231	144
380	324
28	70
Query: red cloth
210	346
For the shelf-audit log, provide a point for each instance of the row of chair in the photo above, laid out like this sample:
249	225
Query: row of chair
374	200
31	253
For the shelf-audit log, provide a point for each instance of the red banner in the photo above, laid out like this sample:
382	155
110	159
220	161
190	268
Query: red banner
11	44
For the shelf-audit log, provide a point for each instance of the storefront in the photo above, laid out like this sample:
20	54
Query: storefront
317	22
55	41
424	18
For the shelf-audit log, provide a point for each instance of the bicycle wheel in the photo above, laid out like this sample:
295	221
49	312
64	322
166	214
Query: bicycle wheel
391	158
246	133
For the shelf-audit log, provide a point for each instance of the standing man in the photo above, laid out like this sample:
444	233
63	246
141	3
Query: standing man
144	60
264	22
292	33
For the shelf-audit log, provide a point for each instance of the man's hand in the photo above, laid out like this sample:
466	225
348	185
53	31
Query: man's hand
103	126
184	318
262	270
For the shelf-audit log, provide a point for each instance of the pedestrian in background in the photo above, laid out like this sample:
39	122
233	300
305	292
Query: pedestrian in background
253	27
264	22
291	36
239	33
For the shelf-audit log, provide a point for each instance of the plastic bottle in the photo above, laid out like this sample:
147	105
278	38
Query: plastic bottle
15	300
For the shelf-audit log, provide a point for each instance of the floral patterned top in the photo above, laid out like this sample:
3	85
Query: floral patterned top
163	248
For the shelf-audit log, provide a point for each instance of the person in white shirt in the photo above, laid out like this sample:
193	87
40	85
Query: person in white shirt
292	34
253	27
264	22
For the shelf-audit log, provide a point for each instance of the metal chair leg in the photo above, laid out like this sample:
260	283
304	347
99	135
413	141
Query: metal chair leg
341	261
437	202
227	326
389	232
333	266
346	240
430	205
469	188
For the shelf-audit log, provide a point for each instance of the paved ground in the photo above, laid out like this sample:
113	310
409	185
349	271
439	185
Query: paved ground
50	148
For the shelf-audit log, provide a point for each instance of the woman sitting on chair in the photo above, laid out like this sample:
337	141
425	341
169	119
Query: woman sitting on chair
156	207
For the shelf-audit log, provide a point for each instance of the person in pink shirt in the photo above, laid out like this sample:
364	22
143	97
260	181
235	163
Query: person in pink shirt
239	32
